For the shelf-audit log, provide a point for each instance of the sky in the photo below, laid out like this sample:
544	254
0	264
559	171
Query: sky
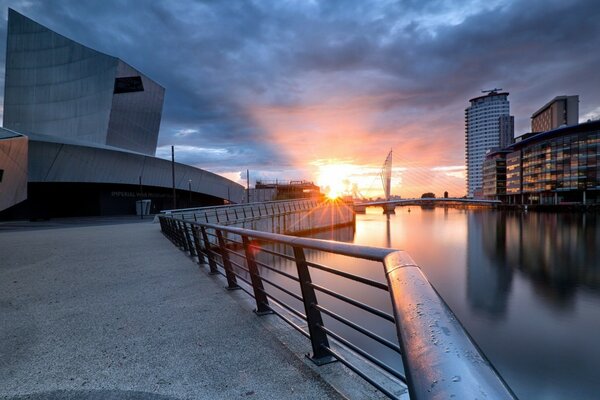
322	90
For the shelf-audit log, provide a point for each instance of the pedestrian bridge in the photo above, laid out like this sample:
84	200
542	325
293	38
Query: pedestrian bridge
389	205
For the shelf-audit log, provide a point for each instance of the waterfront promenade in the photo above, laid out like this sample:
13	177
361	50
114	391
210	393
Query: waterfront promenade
107	310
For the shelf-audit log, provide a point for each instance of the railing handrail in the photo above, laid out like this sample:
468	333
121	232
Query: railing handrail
180	210
440	358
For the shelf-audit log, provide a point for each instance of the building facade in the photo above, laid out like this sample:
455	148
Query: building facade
284	190
485	119
80	134
494	175
562	110
55	86
555	167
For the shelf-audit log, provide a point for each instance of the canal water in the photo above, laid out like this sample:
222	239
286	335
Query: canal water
526	286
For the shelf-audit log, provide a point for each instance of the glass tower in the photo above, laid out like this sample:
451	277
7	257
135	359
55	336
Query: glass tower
484	120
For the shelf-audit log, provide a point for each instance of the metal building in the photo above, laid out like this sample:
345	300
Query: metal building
85	126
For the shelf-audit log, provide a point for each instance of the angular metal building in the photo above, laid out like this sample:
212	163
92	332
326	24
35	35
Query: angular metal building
86	125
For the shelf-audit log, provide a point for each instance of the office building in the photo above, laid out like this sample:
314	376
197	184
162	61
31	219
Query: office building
560	111
560	166
487	120
494	175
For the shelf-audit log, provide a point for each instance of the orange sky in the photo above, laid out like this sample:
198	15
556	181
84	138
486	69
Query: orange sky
341	138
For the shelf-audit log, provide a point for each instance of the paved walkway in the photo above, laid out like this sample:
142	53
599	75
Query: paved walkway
117	312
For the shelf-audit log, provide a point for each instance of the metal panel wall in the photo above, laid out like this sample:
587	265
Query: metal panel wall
55	86
135	117
61	162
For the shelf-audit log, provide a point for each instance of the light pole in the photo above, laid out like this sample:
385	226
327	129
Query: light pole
190	191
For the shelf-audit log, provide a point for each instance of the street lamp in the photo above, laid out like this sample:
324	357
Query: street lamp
190	191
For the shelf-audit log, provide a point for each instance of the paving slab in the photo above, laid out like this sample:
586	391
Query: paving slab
117	312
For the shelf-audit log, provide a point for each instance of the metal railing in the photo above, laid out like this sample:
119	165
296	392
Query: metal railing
439	359
236	213
283	216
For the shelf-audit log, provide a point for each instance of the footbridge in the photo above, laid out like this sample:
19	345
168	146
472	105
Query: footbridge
389	205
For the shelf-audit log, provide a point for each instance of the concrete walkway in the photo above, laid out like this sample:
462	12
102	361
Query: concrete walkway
118	312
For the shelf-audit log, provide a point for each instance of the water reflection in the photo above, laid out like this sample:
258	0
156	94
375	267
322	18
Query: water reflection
558	252
525	285
489	274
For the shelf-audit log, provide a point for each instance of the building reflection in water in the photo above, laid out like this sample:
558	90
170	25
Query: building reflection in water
489	274
558	253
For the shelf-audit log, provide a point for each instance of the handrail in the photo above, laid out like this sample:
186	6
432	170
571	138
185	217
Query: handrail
237	205
439	357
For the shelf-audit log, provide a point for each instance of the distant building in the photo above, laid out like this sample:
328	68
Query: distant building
558	166
494	175
284	190
562	110
80	133
487	125
507	130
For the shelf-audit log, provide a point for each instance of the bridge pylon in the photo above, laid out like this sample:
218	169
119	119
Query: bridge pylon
389	208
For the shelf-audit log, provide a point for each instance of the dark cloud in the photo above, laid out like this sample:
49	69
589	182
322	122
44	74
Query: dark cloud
412	64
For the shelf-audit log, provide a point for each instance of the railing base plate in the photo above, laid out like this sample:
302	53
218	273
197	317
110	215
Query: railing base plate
232	287
322	360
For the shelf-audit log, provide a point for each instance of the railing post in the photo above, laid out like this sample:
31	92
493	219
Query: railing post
180	237
231	279
208	251
262	303
318	337
197	245
187	228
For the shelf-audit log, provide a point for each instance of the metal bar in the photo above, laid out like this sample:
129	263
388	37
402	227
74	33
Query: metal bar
350	276
278	254
363	353
374	336
231	280
283	304
198	247
318	338
361	374
284	290
292	277
188	238
291	323
355	303
262	303
426	325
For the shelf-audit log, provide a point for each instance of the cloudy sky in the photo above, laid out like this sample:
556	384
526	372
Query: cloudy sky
308	89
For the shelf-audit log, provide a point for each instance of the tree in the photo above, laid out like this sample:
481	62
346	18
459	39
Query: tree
446	195
428	195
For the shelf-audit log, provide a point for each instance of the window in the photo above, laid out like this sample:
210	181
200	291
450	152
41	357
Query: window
1	173
128	84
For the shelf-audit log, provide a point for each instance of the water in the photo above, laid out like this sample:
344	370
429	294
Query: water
526	286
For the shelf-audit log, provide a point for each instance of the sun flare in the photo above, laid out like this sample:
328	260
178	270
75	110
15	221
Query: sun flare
333	179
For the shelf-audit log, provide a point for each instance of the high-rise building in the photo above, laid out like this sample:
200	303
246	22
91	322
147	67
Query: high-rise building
560	111
487	125
507	130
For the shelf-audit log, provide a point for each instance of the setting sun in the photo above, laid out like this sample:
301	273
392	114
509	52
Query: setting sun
333	179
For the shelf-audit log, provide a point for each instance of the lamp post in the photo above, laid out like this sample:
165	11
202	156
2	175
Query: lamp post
190	191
